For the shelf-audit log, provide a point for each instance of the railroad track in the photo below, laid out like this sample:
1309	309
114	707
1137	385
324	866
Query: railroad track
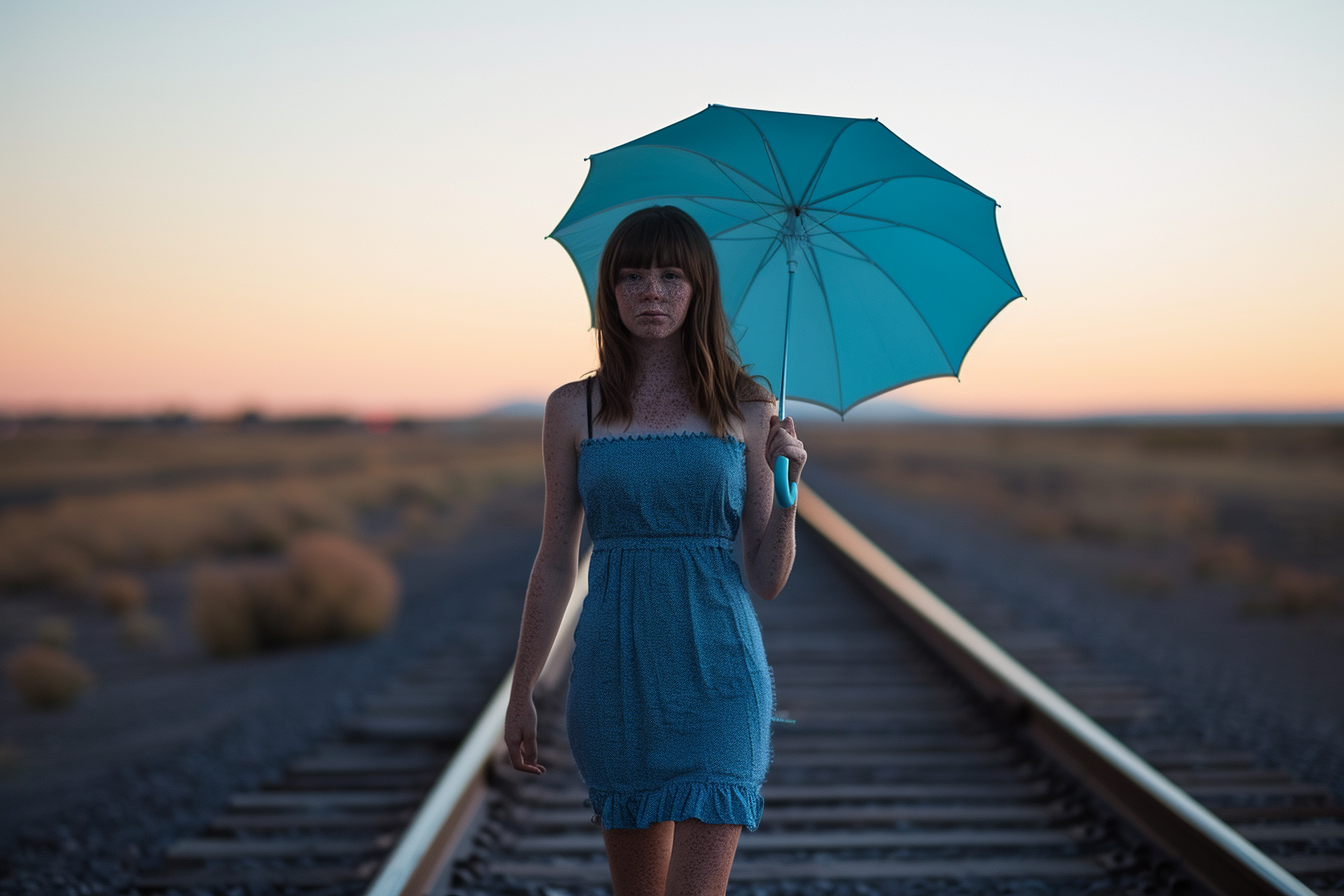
919	750
329	817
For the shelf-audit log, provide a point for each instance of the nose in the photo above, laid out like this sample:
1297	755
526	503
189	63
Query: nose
651	288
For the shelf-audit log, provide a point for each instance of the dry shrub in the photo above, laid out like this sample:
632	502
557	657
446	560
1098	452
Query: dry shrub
1181	513
220	491
1034	478
1229	559
54	631
120	593
328	588
1295	591
46	678
338	590
1047	523
57	546
1298	588
221	612
141	629
415	518
1184	439
1148	579
246	520
58	565
1115	514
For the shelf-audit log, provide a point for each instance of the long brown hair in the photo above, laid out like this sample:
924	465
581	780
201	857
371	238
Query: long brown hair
665	236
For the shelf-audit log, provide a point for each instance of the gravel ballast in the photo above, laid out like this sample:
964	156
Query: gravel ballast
100	790
1271	685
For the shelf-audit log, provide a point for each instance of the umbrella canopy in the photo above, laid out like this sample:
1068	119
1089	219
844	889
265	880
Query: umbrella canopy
899	263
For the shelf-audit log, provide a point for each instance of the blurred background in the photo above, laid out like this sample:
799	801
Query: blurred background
277	317
341	207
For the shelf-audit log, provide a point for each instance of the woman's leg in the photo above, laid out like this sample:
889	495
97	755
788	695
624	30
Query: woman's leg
702	856
638	858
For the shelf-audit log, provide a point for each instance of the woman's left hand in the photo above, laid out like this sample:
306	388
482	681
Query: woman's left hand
783	441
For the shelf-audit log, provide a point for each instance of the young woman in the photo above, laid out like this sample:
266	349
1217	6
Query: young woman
669	450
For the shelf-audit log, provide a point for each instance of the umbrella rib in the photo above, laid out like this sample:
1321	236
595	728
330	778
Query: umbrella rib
928	233
936	341
886	180
720	166
871	395
722	234
770	253
974	339
815	264
757	215
688	197
845	211
747	195
781	182
766	214
743	222
826	157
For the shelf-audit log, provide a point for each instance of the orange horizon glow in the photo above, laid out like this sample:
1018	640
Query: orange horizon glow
310	210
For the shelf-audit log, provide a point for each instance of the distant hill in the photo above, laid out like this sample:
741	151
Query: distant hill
524	410
879	411
1224	418
871	412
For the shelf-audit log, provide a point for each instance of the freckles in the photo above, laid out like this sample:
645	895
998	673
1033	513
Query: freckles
673	290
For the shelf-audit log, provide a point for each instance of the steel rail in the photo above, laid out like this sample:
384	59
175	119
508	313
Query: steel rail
446	814
1216	855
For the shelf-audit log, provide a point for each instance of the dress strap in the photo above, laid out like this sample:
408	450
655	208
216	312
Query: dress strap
589	384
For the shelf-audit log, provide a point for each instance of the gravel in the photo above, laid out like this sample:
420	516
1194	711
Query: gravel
1270	685
102	789
155	750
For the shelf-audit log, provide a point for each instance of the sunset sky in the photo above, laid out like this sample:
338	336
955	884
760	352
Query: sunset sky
328	206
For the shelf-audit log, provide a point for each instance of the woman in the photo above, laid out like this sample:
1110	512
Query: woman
669	450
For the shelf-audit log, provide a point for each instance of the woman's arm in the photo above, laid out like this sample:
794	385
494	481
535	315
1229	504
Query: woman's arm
767	530
553	571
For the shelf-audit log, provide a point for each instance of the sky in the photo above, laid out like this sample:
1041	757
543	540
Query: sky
314	207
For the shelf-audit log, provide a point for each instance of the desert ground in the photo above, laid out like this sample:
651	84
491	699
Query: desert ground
1204	561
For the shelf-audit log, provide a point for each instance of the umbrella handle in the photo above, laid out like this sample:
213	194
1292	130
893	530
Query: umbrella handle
786	492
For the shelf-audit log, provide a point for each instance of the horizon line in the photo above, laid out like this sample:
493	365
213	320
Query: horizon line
885	412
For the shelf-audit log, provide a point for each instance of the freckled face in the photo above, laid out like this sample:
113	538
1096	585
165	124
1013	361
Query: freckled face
653	301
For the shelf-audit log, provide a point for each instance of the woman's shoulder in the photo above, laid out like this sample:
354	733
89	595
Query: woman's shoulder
573	395
757	405
569	393
567	406
752	390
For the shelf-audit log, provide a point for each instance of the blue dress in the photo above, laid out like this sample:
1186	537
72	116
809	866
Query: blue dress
670	696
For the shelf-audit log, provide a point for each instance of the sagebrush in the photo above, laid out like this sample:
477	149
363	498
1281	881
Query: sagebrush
326	588
45	677
140	499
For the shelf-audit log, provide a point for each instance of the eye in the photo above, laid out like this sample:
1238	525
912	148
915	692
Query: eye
671	275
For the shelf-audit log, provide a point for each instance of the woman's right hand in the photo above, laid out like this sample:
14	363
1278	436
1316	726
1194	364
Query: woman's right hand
520	734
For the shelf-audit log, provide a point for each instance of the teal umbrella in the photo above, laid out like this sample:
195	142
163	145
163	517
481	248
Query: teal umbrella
851	263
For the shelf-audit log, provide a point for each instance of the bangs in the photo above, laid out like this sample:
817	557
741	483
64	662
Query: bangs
664	236
655	241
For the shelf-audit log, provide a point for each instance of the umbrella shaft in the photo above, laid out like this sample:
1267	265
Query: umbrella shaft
788	312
